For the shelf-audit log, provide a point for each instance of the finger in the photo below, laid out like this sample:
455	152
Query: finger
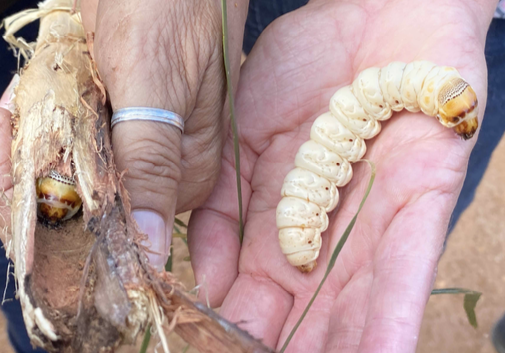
142	64
333	323
150	153
88	14
312	333
213	233
259	306
348	314
404	269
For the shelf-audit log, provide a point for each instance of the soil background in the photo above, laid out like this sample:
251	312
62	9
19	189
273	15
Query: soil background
474	259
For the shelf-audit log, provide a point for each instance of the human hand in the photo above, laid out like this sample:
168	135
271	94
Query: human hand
374	299
168	55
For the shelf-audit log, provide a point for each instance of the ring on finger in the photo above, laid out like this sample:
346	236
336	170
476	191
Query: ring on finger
147	114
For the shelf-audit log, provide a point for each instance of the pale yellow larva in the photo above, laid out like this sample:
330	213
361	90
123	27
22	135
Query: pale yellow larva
337	139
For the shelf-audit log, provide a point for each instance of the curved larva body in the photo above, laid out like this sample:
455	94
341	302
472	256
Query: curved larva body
337	139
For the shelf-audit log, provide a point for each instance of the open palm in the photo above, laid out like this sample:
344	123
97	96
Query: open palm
374	298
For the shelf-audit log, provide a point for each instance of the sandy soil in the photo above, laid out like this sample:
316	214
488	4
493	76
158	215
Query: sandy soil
474	259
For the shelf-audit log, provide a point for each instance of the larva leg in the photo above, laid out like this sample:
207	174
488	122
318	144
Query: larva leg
337	138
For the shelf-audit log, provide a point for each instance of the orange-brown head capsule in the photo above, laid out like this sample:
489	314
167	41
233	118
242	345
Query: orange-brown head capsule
57	199
458	107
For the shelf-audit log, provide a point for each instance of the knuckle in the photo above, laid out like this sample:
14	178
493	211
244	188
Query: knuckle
153	163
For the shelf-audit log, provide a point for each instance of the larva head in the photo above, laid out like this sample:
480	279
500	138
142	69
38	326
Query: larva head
458	107
57	199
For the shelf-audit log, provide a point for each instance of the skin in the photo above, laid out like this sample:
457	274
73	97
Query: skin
170	58
375	297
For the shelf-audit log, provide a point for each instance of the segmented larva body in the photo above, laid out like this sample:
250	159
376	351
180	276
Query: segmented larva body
57	199
337	139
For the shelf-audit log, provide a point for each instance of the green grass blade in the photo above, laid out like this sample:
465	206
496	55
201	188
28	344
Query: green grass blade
333	258
182	236
145	341
232	115
168	265
186	349
180	223
469	302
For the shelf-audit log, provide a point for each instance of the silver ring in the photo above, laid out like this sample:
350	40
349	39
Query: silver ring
147	114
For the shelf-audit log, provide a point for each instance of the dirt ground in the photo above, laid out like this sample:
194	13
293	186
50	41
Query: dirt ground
474	259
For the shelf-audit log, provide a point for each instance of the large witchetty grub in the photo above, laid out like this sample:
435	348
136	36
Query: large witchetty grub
337	139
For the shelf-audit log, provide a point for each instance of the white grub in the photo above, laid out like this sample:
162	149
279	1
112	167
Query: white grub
336	140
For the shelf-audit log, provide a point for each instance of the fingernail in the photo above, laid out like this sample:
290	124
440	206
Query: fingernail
8	95
153	225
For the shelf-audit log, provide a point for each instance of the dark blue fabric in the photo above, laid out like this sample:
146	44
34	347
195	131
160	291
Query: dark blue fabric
8	63
12	309
261	14
498	335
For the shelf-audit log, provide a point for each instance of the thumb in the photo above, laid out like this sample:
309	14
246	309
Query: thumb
150	153
152	56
